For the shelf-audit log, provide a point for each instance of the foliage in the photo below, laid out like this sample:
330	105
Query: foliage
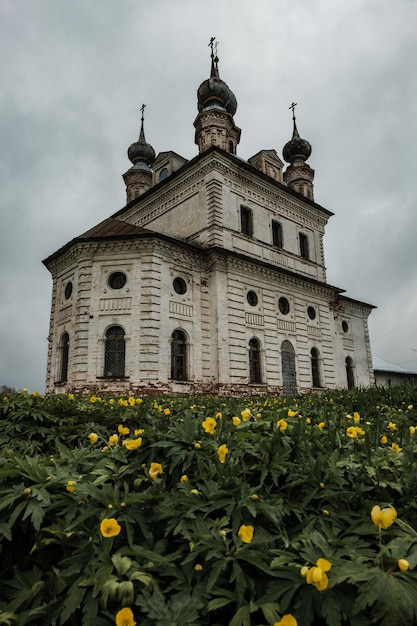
209	511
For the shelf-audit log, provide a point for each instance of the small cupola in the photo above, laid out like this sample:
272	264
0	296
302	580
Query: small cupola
298	176
138	178
217	104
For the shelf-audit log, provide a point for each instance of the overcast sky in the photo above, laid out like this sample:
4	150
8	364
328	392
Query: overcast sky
74	73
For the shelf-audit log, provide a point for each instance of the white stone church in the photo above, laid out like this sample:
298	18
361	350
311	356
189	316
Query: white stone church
211	279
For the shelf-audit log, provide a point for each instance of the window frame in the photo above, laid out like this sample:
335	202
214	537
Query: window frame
63	357
255	365
315	367
179	355
115	348
304	246
246	221
277	234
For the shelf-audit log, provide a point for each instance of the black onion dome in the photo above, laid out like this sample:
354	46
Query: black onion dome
141	150
296	148
214	91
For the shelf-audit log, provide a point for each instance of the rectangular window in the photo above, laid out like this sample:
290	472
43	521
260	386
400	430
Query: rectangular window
277	240
246	224
304	252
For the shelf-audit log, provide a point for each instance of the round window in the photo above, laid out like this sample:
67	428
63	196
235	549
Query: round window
311	312
284	305
345	326
179	285
117	280
252	298
68	291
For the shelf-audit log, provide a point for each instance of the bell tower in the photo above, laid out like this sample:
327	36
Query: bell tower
214	124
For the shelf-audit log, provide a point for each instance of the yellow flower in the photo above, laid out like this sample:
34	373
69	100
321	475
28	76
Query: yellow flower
195	492
317	576
222	452
198	567
184	478
138	400
110	527
70	486
93	437
383	439
133	444
93	399
308	420
245	533
392	426
282	424
123	430
71	396
209	425
245	414
321	425
412	430
138	431
410	407
219	416
354	431
325	565
125	617
403	564
395	447
131	400
356	417
155	469
287	620
236	420
304	571
167	412
197	445
383	517
292	413
113	439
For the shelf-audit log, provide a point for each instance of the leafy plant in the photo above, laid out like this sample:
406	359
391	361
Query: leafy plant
209	511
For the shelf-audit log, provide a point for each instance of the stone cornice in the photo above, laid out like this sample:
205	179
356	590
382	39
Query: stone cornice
238	175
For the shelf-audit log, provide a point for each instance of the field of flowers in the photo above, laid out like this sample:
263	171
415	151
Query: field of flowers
166	511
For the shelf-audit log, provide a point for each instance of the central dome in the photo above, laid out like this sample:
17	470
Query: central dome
214	92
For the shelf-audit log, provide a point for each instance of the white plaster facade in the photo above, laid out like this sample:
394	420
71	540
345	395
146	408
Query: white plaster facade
186	223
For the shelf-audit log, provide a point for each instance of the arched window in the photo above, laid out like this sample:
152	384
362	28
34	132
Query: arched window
63	358
315	367
114	353
255	361
179	355
289	377
350	377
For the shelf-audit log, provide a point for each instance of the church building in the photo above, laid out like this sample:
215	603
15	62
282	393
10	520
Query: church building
211	279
